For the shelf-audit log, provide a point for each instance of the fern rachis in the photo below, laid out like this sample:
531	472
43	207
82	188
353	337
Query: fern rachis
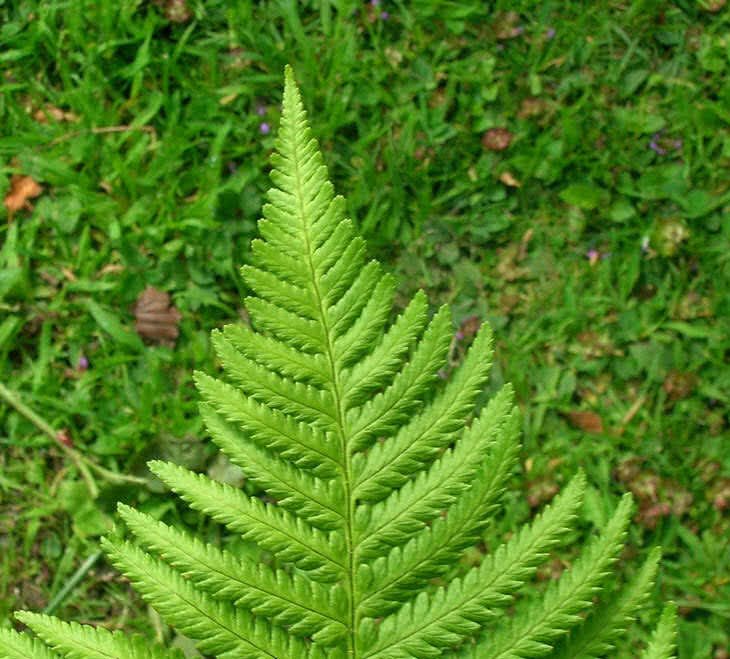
378	482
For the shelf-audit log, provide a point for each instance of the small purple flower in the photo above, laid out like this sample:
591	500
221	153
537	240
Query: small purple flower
656	148
261	110
265	128
83	363
374	3
459	335
550	33
384	15
592	255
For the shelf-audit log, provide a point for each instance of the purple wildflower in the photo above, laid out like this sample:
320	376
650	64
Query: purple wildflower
550	33
592	255
384	15
656	148
459	335
261	110
265	128
374	3
83	363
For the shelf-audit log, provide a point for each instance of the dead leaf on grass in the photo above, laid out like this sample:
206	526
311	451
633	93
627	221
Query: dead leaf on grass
506	25
57	114
155	318
496	139
508	179
22	188
587	421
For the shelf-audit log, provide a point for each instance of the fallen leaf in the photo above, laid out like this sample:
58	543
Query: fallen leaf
524	243
508	179
588	421
678	385
155	319
506	26
507	267
55	113
177	11
496	139
470	325
532	107
22	188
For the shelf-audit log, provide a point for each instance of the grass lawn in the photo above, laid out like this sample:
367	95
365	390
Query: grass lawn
559	169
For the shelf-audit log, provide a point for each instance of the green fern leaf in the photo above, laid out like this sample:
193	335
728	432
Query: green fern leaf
74	641
14	645
663	642
375	483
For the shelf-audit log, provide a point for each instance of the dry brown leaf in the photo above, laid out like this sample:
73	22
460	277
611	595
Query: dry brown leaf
470	325
508	179
177	11
679	385
55	113
532	107
506	25
496	139
524	244
155	318
507	267
22	188
588	421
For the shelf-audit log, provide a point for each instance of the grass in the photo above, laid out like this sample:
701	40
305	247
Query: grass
596	244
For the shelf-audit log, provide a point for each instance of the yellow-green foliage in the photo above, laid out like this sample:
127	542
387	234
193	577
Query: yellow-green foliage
379	483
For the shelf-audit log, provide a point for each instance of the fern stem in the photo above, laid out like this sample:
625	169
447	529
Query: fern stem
336	383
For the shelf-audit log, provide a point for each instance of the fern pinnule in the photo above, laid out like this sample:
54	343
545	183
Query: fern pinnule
377	476
611	619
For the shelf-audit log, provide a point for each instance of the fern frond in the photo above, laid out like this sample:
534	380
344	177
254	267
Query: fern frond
305	607
533	629
14	645
375	370
303	444
458	610
302	401
406	511
610	619
278	531
278	357
375	481
392	579
74	641
387	411
318	501
663	641
389	464
219	628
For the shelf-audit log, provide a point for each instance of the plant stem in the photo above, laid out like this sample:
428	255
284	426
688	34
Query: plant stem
83	464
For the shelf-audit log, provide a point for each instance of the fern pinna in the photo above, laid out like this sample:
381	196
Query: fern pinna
378	482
